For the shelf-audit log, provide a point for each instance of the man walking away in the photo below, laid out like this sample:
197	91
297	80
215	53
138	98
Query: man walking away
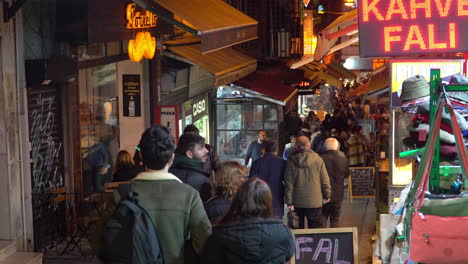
338	169
175	208
256	148
212	162
270	168
356	152
307	185
187	166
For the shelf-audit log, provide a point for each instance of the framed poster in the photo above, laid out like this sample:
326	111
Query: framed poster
131	94
168	116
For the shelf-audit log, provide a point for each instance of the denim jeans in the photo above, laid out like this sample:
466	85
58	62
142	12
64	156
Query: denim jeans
313	215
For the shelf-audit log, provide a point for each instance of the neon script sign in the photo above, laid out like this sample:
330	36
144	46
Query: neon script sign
405	27
144	45
137	19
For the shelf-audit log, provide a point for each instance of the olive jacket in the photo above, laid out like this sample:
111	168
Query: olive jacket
176	210
306	180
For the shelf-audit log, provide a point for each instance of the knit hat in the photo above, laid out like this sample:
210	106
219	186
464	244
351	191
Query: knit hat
413	88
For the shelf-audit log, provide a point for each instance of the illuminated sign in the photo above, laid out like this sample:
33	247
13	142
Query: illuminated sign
140	19
403	27
144	45
402	70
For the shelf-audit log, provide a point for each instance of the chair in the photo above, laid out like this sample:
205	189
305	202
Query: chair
112	186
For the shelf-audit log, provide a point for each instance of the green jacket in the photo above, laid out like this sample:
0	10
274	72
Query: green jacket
306	180
177	211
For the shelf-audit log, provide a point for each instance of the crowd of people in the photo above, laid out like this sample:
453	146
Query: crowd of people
227	212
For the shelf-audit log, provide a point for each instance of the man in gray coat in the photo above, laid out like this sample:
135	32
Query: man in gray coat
307	185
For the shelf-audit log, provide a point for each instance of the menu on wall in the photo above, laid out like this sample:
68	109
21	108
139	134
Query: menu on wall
326	245
131	94
361	182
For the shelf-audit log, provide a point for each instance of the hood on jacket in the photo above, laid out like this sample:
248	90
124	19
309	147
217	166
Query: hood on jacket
250	240
304	158
184	162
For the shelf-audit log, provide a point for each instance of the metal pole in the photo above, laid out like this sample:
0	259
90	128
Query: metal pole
433	103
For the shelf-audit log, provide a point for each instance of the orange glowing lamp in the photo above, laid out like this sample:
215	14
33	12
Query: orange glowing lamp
144	45
349	3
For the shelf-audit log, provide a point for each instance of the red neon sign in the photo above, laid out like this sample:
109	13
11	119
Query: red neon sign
405	27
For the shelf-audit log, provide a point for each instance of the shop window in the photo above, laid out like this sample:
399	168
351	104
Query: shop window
228	116
238	124
98	125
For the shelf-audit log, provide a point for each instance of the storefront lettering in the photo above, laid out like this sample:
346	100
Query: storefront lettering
137	19
167	113
144	45
414	26
199	107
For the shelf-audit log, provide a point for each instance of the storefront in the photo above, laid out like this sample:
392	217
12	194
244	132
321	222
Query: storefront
196	111
248	105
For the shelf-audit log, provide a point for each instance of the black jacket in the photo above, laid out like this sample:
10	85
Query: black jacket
216	207
338	169
258	241
127	173
271	169
190	172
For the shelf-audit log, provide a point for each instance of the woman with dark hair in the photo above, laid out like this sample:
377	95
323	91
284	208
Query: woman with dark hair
248	234
126	168
226	181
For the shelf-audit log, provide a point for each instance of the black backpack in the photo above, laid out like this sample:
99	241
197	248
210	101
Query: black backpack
129	235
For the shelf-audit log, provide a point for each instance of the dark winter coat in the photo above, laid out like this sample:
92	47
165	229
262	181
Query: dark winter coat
216	207
126	173
271	169
258	241
189	171
306	180
338	169
213	161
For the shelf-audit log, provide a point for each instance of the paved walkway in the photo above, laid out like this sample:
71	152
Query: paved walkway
360	213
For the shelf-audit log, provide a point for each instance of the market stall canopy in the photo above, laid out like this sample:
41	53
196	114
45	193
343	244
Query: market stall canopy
227	65
346	24
315	73
360	90
340	71
267	88
215	22
379	80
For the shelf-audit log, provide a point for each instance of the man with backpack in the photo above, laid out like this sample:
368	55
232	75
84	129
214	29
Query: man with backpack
175	208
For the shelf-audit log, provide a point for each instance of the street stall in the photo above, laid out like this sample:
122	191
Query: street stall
256	102
416	226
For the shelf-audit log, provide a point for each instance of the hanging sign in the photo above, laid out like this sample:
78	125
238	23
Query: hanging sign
131	94
144	45
168	116
398	27
140	19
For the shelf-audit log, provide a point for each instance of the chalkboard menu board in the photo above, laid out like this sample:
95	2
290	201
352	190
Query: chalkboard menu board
361	183
326	245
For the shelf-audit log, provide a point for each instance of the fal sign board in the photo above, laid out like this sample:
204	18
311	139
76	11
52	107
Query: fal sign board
405	27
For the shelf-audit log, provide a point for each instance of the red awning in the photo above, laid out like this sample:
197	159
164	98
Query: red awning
269	89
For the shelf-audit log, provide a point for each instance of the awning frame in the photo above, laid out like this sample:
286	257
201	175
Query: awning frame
144	4
263	96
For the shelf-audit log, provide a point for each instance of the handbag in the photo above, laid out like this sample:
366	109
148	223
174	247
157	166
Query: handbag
438	228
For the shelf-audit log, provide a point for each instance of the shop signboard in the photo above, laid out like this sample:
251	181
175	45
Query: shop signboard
131	95
361	182
326	245
398	28
404	69
168	116
199	107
